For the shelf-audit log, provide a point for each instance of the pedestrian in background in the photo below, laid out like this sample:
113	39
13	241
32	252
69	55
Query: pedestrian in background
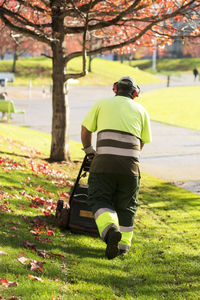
196	73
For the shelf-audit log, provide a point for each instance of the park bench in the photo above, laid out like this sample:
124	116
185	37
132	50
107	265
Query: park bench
9	108
6	77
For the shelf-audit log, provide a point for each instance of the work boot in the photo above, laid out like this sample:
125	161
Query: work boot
122	252
112	239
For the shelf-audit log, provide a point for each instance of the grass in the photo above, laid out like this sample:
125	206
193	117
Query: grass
104	72
168	66
178	106
163	262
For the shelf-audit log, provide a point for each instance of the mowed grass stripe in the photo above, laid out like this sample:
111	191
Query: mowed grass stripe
178	106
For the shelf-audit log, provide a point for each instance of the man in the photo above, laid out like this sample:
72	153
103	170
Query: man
195	72
123	127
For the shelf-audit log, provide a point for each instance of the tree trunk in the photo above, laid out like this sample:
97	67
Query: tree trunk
15	58
60	126
90	64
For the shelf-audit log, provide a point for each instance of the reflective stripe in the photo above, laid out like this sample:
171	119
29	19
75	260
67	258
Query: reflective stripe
126	229
119	151
103	210
105	218
125	242
127	138
104	232
123	247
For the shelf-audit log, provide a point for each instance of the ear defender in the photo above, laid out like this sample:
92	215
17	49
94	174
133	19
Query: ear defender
136	92
115	87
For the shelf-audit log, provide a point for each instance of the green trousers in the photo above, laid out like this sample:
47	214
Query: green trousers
113	200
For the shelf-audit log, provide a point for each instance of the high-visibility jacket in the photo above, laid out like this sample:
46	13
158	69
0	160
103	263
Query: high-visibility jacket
119	113
121	124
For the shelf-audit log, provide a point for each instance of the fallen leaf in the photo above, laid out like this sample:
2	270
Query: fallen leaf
13	228
7	283
35	266
42	253
58	255
43	240
46	212
23	260
27	244
3	253
35	278
10	284
50	232
3	281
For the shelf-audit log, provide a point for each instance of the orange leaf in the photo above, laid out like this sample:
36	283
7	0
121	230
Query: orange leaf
35	278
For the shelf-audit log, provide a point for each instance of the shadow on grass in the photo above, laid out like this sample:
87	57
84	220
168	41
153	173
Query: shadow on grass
152	274
21	155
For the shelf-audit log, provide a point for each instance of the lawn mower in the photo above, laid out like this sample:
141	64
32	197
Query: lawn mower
77	215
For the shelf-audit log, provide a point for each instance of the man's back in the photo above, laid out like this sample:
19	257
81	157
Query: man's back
119	113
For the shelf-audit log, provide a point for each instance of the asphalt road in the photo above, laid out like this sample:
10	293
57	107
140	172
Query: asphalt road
174	154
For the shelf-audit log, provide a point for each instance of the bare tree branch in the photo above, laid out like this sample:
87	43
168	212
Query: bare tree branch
21	20
34	7
23	30
84	53
45	55
103	24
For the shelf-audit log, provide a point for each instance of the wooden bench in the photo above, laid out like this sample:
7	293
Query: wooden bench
9	108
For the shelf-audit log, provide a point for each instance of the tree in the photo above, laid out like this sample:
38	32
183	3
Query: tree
18	45
6	41
121	23
191	47
23	45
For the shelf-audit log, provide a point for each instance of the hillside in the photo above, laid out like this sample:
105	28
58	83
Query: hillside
165	66
104	72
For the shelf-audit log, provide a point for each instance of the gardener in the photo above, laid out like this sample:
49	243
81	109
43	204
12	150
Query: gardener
122	127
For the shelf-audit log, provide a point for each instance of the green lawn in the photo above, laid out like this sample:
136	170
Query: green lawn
178	106
38	261
168	65
104	72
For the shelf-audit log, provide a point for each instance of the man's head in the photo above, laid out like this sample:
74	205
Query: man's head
126	86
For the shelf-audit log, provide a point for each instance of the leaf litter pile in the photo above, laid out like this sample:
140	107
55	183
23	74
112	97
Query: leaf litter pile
29	191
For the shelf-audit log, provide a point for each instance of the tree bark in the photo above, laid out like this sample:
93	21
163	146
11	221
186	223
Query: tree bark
90	64
60	126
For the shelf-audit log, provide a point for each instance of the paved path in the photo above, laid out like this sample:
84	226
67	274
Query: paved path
174	154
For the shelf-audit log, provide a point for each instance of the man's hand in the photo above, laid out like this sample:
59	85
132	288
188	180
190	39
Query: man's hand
89	150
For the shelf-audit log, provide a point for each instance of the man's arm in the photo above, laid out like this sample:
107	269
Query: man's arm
86	138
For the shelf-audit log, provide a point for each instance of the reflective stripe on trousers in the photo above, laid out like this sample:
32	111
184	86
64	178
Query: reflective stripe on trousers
127	234
105	218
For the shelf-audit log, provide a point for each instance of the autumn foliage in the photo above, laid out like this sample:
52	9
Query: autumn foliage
118	25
